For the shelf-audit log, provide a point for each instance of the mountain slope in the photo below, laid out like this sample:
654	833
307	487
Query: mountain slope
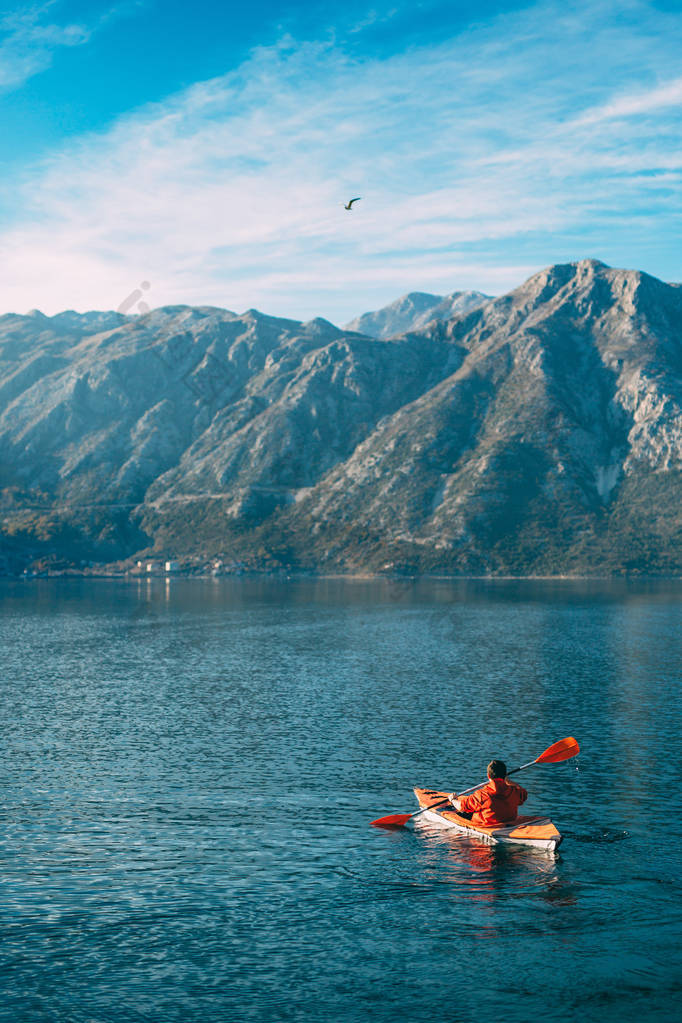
535	454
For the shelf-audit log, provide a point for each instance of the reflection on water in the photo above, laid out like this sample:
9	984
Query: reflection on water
486	872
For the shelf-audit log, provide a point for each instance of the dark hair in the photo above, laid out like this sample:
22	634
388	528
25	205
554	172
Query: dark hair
497	769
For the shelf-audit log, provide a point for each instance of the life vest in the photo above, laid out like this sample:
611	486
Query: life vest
496	803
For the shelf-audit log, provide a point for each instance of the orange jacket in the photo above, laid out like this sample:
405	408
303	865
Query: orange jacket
496	803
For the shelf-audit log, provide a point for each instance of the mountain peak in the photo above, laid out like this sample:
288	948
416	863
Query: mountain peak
319	327
595	286
413	311
591	264
585	280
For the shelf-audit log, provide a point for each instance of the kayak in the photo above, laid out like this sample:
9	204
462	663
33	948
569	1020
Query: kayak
538	832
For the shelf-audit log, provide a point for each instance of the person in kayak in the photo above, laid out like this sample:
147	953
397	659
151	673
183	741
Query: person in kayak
495	803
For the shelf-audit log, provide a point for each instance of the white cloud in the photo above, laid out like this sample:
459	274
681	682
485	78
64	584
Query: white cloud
30	41
230	193
669	94
30	36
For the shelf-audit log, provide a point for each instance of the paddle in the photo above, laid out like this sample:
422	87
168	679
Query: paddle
554	754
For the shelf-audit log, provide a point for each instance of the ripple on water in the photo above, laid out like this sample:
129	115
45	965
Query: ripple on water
601	837
190	773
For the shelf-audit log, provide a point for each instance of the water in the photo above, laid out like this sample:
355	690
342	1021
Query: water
189	769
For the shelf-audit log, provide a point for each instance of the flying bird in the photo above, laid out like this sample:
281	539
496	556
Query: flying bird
349	205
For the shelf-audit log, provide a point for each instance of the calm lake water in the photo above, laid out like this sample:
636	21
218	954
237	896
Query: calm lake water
189	769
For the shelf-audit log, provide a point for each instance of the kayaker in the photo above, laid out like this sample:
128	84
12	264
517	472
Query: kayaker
496	803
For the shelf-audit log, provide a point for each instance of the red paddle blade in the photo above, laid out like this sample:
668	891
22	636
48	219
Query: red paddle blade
394	820
564	749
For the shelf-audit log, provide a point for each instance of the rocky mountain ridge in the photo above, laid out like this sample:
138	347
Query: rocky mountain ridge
536	433
414	311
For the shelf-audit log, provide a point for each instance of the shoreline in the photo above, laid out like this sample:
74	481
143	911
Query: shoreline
293	576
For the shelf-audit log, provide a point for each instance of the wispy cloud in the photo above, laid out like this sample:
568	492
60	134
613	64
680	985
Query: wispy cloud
664	96
31	34
475	156
29	41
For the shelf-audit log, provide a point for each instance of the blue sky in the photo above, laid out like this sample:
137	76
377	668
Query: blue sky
207	150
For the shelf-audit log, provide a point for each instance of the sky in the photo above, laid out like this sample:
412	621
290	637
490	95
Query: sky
207	150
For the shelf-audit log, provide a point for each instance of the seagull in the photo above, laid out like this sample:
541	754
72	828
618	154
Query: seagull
349	205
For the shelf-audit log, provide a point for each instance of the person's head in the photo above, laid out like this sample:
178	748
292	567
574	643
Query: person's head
497	769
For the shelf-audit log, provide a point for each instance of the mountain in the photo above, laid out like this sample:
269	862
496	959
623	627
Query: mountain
415	310
538	433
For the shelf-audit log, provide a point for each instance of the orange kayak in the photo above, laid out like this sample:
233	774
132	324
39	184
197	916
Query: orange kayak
538	832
